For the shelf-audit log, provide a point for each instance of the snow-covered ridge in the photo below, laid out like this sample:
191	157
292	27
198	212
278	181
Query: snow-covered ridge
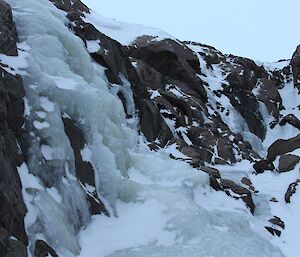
125	33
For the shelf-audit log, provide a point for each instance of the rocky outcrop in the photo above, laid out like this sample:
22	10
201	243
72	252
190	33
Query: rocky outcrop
287	162
84	168
10	246
42	249
295	63
13	210
230	188
282	146
8	35
290	119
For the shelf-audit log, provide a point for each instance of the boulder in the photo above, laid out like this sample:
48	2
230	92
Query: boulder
282	146
211	171
290	119
287	162
263	165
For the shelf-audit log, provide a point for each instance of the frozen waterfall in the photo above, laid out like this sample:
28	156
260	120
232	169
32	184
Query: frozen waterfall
159	206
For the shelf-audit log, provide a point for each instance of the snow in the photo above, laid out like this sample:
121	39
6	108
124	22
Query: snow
93	46
16	64
124	33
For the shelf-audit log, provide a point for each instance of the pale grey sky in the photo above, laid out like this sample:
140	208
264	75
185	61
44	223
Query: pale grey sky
265	30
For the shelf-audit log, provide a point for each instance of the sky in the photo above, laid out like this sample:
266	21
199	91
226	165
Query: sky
265	30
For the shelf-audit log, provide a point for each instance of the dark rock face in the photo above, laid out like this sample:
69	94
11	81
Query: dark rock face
170	59
84	170
13	209
8	35
168	92
71	6
288	162
282	146
269	95
10	247
295	63
42	249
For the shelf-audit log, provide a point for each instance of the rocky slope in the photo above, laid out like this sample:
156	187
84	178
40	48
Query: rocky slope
226	116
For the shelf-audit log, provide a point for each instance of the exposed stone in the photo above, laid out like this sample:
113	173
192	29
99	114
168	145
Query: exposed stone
282	146
290	191
84	170
8	35
295	63
246	181
71	6
290	119
287	162
13	209
170	59
11	247
244	193
277	221
263	165
269	95
42	249
273	231
211	171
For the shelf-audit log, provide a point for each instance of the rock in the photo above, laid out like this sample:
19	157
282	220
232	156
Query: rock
282	146
152	124
8	35
213	182
42	249
269	95
11	247
287	162
277	221
290	119
246	181
263	165
295	63
13	209
273	231
211	171
274	200
290	191
170	59
244	193
242	80
84	170
71	6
